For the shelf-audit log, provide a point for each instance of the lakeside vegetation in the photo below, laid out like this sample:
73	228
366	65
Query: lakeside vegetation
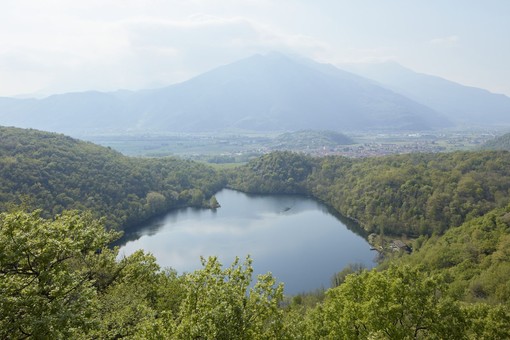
54	172
413	194
60	279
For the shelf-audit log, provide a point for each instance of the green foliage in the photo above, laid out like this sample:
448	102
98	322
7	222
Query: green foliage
219	304
415	194
47	273
213	203
311	139
398	303
353	268
54	172
277	172
475	258
487	322
59	280
131	299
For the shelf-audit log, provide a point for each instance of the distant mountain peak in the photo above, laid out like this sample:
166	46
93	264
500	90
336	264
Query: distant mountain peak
276	55
464	105
269	92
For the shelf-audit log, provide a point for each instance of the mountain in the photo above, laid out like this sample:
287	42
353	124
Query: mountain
461	104
275	92
70	112
267	93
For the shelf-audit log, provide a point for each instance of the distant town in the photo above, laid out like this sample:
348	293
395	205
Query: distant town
241	147
387	144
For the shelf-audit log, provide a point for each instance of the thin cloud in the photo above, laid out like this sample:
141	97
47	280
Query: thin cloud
60	45
176	50
222	32
449	40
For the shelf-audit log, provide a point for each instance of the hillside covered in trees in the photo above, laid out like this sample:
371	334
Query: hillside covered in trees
498	143
55	172
310	139
413	194
474	258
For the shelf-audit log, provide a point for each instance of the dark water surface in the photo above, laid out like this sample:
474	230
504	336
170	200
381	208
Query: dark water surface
296	238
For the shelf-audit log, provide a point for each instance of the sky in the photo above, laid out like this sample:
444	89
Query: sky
56	46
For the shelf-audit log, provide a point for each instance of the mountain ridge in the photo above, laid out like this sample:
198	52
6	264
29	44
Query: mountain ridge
274	101
270	92
463	105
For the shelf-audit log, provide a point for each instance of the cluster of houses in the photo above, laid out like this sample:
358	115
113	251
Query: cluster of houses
394	245
398	245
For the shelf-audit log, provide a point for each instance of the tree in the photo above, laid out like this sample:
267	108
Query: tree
352	268
47	273
156	202
213	203
219	304
488	322
398	303
130	301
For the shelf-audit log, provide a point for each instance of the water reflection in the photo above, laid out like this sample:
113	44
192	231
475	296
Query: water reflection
294	237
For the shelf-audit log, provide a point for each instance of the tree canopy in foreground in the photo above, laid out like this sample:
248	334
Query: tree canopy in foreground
59	279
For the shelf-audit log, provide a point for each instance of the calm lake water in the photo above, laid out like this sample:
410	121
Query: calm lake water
294	237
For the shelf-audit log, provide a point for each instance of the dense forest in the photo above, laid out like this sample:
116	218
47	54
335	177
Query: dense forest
61	278
413	194
55	173
474	258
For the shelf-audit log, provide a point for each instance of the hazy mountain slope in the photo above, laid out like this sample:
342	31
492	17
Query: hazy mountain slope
275	92
461	104
73	113
271	92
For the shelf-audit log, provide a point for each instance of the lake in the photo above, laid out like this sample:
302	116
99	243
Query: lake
296	238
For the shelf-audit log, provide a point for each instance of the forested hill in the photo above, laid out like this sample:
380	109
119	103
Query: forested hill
412	194
499	143
314	139
475	258
55	172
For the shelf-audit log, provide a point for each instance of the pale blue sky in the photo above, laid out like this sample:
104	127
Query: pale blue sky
53	46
